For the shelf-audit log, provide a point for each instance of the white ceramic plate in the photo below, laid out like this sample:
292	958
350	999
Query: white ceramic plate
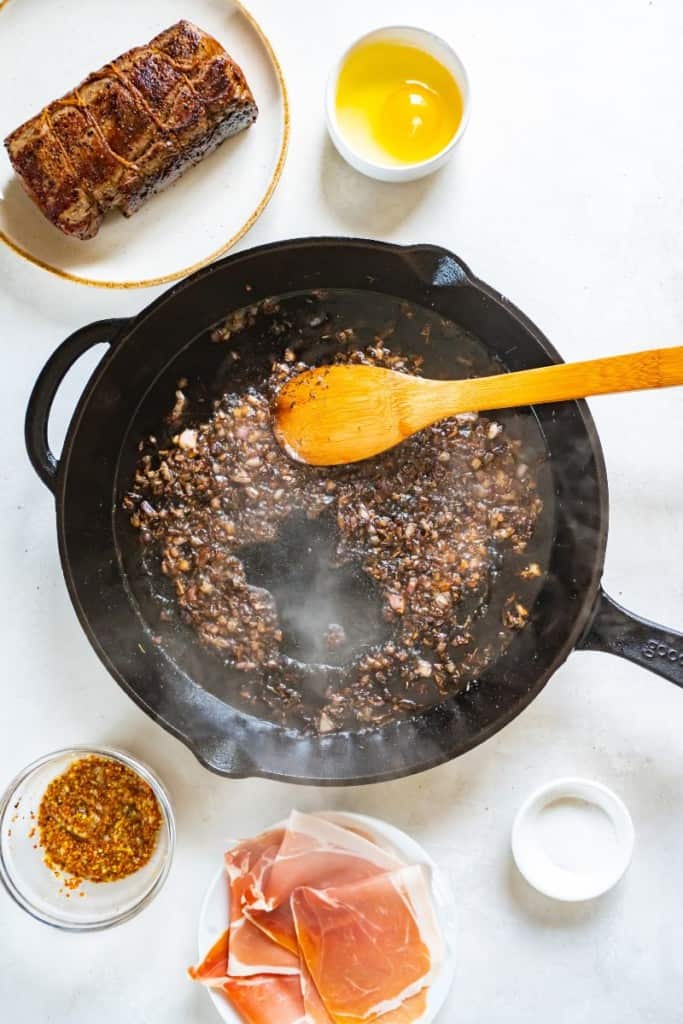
48	48
212	917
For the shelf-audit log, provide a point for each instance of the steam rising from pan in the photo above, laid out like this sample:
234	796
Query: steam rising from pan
329	613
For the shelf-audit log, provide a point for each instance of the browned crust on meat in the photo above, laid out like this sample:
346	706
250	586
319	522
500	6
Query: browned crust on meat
131	128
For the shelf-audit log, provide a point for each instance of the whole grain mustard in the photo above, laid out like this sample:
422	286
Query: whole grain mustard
98	820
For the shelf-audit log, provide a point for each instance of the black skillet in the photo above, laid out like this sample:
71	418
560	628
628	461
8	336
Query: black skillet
185	688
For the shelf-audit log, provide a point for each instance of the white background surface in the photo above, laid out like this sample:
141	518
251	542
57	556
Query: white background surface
565	194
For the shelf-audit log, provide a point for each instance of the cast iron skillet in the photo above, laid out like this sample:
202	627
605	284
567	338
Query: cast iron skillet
131	390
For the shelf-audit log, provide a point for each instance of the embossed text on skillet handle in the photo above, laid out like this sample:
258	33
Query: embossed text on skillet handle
617	631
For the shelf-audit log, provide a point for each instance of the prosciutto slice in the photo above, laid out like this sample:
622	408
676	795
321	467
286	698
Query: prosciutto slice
213	970
251	951
370	947
410	1012
314	1007
267	999
259	999
314	852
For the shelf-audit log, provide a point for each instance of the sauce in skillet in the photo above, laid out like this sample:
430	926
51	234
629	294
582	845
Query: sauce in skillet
418	538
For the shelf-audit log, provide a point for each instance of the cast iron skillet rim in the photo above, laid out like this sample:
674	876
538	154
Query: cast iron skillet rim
581	621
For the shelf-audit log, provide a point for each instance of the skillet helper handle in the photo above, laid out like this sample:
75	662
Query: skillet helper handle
616	631
45	389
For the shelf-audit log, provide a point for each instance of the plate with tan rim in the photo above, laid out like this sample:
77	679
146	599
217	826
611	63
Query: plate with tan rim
47	49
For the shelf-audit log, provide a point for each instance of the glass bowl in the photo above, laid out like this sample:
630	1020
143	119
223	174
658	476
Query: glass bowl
92	906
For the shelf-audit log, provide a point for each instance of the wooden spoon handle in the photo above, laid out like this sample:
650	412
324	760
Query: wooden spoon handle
655	368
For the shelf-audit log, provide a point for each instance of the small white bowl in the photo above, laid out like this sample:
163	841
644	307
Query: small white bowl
543	872
422	40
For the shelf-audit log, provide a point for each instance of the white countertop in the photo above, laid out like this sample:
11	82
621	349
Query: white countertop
565	195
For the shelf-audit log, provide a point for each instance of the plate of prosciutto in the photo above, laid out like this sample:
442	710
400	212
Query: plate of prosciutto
332	918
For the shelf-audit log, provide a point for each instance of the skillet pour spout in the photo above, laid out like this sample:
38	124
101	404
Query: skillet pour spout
128	396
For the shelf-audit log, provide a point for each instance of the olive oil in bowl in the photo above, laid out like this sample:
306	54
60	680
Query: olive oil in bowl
397	107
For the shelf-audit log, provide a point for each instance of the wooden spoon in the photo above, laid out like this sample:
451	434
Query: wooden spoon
336	414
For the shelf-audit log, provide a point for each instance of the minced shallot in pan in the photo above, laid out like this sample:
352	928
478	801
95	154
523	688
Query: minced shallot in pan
427	523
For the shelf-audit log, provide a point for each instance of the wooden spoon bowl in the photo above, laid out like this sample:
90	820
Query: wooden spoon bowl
338	414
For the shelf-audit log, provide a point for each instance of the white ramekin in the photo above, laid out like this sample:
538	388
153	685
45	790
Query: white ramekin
543	873
429	43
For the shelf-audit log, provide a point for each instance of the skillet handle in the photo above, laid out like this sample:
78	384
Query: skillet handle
616	631
45	389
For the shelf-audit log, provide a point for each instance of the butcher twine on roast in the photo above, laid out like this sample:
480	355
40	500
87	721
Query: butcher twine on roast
131	128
